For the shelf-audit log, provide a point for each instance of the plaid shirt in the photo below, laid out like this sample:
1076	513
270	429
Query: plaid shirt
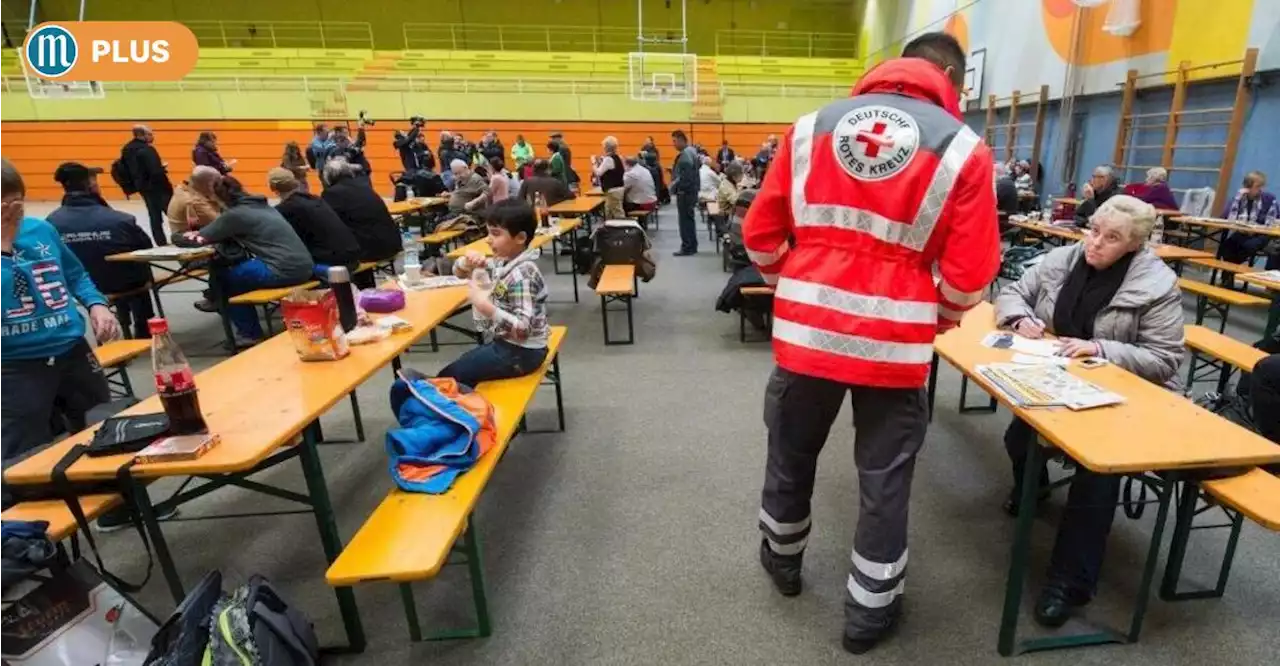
520	294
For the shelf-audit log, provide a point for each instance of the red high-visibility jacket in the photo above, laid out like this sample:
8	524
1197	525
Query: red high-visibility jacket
877	223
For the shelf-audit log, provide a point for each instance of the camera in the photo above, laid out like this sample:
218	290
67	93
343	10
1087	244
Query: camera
364	118
418	121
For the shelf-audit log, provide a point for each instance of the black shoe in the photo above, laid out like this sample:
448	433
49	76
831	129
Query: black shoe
784	570
119	518
858	645
1056	602
205	305
684	253
1012	502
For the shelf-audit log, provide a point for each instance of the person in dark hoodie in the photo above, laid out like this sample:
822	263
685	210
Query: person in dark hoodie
491	147
352	151
278	256
150	179
365	214
205	153
328	240
1101	186
94	231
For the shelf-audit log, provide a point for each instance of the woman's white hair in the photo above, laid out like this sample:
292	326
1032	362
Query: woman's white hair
1157	175
1140	215
336	169
610	143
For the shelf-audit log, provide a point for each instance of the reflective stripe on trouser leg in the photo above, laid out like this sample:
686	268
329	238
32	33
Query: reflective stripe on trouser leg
798	411
890	425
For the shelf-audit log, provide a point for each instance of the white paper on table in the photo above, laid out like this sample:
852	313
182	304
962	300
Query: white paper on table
164	251
1028	359
1019	344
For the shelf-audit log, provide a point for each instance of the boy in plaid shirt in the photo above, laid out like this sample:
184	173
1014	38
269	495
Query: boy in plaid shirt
511	310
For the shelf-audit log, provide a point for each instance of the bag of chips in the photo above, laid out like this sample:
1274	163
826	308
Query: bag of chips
311	317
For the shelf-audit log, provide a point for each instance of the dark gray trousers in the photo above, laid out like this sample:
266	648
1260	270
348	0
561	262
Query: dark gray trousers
33	392
890	423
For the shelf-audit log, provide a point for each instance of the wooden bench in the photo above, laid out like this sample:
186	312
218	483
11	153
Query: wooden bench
269	299
1225	354
763	295
1218	299
114	357
1254	494
55	512
411	536
1216	266
618	284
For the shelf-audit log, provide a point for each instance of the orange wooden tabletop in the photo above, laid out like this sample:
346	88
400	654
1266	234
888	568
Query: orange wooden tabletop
258	400
114	353
579	206
1154	429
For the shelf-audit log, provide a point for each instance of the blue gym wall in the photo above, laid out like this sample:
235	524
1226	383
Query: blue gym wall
1099	115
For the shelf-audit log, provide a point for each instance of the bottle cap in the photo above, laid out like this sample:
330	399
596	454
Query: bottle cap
339	275
158	325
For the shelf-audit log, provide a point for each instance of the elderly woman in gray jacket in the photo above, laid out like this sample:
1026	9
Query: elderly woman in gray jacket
1111	297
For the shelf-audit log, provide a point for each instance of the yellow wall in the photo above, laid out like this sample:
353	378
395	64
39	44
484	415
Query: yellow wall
705	17
394	107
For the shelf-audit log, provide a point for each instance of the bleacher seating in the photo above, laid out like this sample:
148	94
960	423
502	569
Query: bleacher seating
371	65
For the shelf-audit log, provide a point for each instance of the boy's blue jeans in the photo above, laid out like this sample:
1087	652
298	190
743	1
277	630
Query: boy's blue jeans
494	360
243	277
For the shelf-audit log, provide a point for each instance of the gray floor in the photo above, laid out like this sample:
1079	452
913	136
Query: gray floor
631	538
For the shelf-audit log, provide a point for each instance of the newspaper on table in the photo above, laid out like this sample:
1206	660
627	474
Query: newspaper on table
1030	386
164	252
433	282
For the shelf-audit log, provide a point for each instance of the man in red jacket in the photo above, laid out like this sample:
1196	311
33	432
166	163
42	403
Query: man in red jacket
877	222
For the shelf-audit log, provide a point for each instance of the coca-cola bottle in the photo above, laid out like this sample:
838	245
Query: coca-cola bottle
175	383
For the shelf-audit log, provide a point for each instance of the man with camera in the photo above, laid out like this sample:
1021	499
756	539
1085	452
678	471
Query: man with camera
353	151
418	161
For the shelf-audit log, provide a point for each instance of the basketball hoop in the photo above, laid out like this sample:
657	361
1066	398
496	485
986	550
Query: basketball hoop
39	88
662	77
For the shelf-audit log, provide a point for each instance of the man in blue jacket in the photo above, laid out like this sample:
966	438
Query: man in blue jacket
45	362
94	231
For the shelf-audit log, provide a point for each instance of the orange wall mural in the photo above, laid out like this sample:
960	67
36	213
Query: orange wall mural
1155	34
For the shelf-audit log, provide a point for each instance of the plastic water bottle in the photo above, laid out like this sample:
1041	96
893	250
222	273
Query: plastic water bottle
408	192
1157	231
410	246
481	278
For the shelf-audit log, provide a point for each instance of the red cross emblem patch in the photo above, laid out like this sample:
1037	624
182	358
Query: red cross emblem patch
875	142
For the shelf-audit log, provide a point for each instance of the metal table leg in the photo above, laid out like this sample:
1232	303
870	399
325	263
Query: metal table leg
313	471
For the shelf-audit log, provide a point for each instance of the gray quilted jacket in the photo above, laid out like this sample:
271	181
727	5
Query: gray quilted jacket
1140	330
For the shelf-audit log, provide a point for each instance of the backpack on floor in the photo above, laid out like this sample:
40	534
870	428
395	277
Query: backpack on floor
256	626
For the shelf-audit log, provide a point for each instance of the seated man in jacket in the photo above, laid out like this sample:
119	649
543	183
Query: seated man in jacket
1109	297
641	193
94	231
553	189
1252	205
193	204
279	258
365	213
1101	186
469	189
329	241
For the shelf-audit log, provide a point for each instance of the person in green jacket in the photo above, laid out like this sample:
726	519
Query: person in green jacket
522	155
559	169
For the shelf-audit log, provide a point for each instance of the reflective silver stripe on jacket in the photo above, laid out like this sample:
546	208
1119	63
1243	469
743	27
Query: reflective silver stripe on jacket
914	235
964	299
861	305
852	346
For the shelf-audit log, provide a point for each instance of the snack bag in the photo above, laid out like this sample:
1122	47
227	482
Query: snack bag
311	316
